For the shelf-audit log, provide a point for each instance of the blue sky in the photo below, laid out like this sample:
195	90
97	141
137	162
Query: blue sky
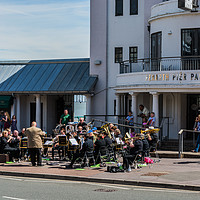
43	29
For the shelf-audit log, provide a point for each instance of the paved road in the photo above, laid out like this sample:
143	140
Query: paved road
38	189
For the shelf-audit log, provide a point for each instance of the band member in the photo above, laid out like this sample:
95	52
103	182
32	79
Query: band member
152	138
87	147
34	135
100	147
6	145
83	124
108	141
132	150
65	118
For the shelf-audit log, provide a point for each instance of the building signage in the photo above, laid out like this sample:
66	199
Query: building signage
173	77
185	4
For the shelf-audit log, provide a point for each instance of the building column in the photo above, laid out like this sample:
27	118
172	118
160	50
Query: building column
13	110
134	105
117	104
88	107
18	112
45	113
38	110
156	106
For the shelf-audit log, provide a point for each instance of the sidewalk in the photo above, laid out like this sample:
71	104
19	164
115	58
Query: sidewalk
168	173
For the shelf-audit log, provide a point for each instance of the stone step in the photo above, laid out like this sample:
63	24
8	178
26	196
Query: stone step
175	154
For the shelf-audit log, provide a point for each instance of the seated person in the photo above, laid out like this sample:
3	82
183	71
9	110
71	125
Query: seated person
118	134
153	140
6	145
83	124
100	146
57	147
132	150
108	141
22	133
87	147
80	130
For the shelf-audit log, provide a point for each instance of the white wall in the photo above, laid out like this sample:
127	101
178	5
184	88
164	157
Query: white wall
169	18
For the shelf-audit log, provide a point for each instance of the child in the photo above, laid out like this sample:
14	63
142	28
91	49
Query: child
152	119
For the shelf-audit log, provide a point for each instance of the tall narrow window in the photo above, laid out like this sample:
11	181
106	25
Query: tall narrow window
133	7
156	42
156	45
133	54
118	54
118	7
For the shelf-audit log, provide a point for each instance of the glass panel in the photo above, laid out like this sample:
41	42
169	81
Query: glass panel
118	7
118	54
133	7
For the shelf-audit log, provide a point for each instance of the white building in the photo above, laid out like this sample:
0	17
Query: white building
158	45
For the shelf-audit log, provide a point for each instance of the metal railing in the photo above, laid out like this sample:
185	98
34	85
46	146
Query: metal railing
181	139
161	64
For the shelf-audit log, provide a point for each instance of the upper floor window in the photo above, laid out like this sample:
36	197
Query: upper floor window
133	54
133	7
156	42
118	54
118	7
190	42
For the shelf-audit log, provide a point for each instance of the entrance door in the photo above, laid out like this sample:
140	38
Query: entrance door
193	109
33	113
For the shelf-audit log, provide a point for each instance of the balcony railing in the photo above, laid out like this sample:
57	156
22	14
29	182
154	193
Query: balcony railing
161	64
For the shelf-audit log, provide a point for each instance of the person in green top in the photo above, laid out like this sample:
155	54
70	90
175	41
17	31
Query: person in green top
65	118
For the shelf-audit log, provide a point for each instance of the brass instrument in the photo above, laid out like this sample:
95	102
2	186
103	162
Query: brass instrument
106	129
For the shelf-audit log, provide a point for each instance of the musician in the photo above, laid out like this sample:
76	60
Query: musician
65	118
22	133
133	148
57	147
152	138
108	141
118	134
100	147
6	146
80	130
87	147
34	135
83	124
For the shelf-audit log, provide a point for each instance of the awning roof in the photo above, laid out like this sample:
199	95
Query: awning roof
47	76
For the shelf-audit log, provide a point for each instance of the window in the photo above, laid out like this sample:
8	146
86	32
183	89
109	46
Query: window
133	7
190	45
118	54
133	54
156	45
118	7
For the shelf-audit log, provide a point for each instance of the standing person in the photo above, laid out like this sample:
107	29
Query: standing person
65	118
197	128
151	121
13	123
34	135
6	120
1	121
144	112
129	119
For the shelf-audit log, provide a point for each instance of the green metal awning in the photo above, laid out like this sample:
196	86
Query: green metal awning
5	101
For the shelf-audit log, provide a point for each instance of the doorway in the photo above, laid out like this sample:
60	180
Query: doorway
33	113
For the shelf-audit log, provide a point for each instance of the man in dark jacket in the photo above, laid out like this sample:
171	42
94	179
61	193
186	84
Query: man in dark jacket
87	147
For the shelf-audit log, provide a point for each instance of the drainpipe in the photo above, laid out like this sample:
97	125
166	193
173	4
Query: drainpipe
106	60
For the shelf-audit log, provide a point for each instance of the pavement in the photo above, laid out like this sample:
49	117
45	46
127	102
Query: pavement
168	173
